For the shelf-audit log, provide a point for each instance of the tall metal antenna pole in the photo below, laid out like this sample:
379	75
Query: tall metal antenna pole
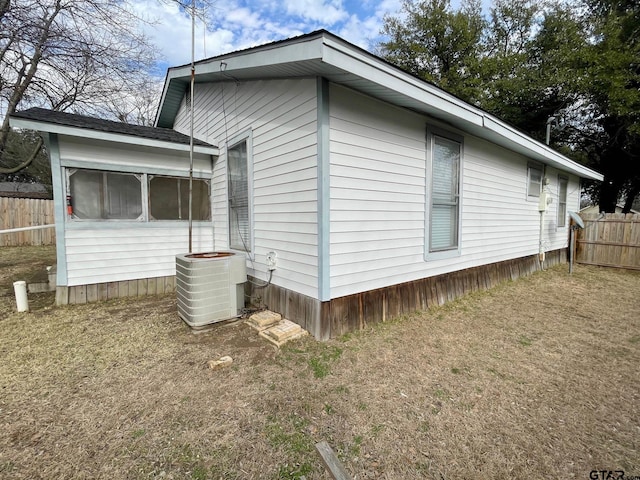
191	86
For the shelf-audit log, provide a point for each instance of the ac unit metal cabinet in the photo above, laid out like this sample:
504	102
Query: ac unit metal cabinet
210	286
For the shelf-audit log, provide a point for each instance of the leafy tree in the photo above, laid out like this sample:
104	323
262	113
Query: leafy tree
438	44
526	70
576	62
613	90
77	55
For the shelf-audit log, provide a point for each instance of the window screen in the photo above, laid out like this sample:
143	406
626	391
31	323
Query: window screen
105	195
169	198
239	225
445	189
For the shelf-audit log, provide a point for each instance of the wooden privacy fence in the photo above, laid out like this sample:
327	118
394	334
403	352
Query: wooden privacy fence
26	212
609	240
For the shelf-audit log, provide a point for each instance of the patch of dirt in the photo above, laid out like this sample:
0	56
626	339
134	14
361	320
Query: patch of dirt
535	378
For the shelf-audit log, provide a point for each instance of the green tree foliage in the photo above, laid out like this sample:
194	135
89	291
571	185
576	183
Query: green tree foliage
613	91
438	44
576	62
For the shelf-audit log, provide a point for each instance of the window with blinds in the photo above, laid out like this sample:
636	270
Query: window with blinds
445	194
562	201
238	191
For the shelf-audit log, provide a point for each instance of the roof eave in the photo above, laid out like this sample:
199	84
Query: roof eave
323	50
48	127
307	47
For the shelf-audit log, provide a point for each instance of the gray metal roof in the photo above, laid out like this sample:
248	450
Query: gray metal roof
322	54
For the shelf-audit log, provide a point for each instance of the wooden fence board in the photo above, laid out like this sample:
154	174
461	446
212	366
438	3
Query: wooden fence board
611	240
26	212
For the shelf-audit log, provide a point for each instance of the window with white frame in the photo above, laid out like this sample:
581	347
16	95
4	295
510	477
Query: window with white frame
100	195
238	196
534	179
563	183
444	166
107	195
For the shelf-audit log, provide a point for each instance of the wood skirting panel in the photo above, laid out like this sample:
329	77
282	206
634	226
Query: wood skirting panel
325	320
294	306
355	312
97	292
342	315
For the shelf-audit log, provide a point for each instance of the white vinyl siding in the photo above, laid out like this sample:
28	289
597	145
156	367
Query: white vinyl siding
377	185
378	217
128	251
282	117
98	251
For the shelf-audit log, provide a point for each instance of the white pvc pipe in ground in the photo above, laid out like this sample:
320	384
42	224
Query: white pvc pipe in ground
26	229
22	301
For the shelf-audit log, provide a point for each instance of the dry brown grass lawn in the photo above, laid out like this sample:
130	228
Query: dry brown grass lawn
536	378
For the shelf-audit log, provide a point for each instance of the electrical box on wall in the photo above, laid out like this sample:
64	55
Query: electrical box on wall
545	201
271	260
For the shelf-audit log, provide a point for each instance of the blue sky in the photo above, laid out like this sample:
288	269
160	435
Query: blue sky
236	24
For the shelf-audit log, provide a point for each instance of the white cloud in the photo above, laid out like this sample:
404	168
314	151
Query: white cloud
243	17
365	32
328	12
245	23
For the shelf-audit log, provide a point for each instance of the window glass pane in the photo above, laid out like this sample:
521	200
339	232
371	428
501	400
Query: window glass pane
123	196
200	206
444	222
446	155
169	199
105	195
85	188
445	188
239	225
164	199
562	201
535	180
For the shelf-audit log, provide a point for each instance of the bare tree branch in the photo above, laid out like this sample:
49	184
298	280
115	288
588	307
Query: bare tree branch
27	162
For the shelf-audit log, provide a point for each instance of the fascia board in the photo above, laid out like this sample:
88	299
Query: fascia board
107	136
165	88
309	49
260	57
537	150
366	66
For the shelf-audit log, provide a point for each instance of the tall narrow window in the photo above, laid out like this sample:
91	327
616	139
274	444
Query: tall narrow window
239	221
562	201
444	194
99	195
534	180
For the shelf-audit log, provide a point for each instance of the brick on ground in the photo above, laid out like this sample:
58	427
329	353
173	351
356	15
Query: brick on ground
283	332
264	319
